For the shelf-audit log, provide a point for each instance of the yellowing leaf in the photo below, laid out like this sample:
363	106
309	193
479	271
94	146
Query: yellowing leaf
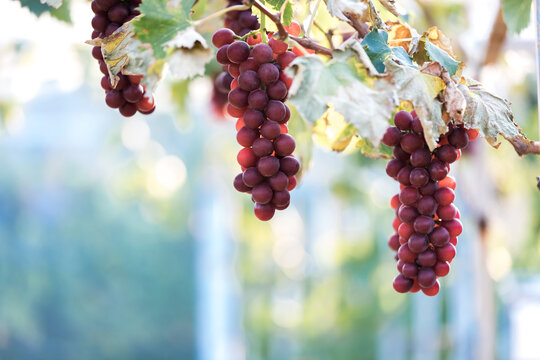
190	54
401	35
437	38
421	90
349	9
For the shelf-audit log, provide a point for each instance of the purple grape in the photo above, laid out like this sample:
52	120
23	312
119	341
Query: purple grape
439	236
400	154
392	136
284	145
459	138
281	198
419	177
279	181
114	99
426	277
100	22
118	13
253	118
262	53
411	142
268	73
437	170
409	270
221	55
270	130
249	80
252	177
289	165
418	243
258	99
246	136
277	91
222	37
427	258
429	188
239	184
238	51
421	158
238	98
404	175
423	224
408	195
262	193
393	167
427	205
407	214
447	154
268	166
403	120
275	110
262	147
133	93
128	109
402	284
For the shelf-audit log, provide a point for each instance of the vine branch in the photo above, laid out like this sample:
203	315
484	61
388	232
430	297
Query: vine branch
523	148
312	45
219	13
276	18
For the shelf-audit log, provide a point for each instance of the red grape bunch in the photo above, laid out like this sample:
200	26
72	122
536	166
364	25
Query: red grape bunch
257	97
128	95
427	222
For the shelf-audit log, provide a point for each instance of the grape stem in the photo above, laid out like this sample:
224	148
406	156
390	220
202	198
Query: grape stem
283	35
523	148
312	18
219	13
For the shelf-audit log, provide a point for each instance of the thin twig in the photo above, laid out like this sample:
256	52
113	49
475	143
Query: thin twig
328	34
312	18
276	19
523	148
312	45
360	27
219	13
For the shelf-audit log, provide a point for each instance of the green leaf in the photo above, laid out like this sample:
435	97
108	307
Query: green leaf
62	13
489	114
288	14
421	90
517	14
439	55
160	23
401	55
376	45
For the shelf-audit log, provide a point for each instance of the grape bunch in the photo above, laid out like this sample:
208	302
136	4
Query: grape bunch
129	96
257	97
427	222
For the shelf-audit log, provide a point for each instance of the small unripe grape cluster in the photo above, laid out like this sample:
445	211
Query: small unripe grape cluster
128	96
427	222
258	91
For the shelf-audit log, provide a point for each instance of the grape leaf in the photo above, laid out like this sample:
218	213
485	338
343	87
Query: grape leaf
54	3
160	23
421	90
287	15
516	14
61	13
318	85
347	9
489	114
376	45
332	131
428	52
191	56
390	5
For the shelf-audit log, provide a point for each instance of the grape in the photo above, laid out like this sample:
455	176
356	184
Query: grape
403	175
405	231
106	83
114	99
392	136
249	64
448	181
279	181
223	82
233	70
275	110
277	91
262	147
411	142
268	166
419	177
258	99
394	202
393	167
246	158
268	73
285	59
400	154
246	136
403	120
249	80
420	158
123	82
234	111
270	129
441	268
407	214
409	270
238	97
444	196
437	170
399	264
281	198
105	4
262	193
427	205
128	109
402	284
292	183
447	153
264	212
118	13
289	165
439	236
417	243
133	93
278	47
393	242
222	37
262	53
408	195
238	51
253	118
247	20
433	290
405	254
423	224
221	55
95	7
239	183
287	115
429	188
454	227
446	252
459	138
426	277
416	126
252	177
96	53
427	258
99	22
146	104
284	145
447	212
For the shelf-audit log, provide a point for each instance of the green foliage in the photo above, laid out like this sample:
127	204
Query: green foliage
37	8
160	23
517	14
287	15
437	54
376	45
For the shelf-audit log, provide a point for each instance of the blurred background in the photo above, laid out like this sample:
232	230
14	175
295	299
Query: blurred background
124	238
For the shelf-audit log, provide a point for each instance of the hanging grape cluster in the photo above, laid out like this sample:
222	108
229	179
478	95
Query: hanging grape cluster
128	95
257	97
427	222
